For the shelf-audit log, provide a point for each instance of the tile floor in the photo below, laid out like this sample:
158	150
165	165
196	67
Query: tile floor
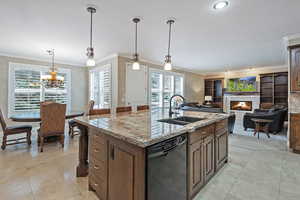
257	169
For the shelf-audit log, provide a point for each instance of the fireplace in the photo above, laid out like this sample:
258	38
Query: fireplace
241	105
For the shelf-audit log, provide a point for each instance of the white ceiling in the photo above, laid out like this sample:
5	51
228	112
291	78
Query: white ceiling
248	33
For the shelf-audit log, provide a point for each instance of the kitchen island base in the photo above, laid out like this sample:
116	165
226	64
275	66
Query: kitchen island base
117	169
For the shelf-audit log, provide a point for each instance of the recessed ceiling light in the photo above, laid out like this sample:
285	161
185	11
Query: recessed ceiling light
220	5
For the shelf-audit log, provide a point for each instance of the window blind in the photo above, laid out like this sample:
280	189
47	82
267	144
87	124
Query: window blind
100	86
27	90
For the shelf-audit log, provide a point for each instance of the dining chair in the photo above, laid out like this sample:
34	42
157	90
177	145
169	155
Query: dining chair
73	129
123	109
143	107
13	130
53	117
102	111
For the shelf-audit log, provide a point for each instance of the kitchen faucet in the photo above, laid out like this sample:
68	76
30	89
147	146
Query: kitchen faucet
170	108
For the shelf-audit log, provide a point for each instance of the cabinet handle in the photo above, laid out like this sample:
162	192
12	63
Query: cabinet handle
96	150
96	167
112	152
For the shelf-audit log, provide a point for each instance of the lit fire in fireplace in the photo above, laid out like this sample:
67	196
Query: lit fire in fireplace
241	105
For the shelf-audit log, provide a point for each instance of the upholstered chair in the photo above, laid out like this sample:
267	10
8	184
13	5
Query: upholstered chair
53	117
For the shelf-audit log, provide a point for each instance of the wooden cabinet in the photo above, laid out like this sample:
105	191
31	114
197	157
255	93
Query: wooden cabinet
221	143
196	172
117	168
295	68
295	133
126	171
209	157
201	158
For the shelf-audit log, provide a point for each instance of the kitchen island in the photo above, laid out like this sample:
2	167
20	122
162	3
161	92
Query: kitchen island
113	150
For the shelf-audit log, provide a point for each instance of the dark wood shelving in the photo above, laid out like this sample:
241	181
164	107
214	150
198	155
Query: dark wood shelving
214	88
273	89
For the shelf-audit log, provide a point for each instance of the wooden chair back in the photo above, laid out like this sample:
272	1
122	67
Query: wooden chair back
2	120
142	107
124	109
89	107
100	111
53	116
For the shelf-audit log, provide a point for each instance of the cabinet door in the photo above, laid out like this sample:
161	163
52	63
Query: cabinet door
126	172
209	154
196	175
295	132
221	149
295	69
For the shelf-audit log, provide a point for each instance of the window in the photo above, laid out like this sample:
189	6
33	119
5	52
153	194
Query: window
26	91
163	85
100	86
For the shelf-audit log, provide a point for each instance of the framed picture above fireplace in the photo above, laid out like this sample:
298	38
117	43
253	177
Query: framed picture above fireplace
241	105
246	84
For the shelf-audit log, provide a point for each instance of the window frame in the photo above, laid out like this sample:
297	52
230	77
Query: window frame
38	68
163	74
99	69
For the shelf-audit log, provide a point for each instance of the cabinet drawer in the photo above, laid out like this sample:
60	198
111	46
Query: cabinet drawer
98	152
99	186
97	138
221	126
201	133
98	147
97	168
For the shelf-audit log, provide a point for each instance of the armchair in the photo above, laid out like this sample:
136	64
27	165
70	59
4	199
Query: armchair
277	115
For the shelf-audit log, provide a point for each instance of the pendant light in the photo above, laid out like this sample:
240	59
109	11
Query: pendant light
136	64
52	80
90	50
168	63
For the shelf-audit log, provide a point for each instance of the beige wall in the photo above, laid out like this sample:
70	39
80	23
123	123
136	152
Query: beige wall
79	82
248	72
194	83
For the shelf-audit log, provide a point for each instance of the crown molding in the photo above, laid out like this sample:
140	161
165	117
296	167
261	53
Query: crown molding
40	59
161	64
114	55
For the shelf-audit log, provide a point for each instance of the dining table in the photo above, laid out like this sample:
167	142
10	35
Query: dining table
36	117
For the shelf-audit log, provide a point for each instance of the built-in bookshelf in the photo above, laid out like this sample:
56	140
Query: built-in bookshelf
273	89
214	88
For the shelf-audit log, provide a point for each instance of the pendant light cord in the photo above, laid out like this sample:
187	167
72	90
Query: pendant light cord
169	46
91	33
135	38
53	60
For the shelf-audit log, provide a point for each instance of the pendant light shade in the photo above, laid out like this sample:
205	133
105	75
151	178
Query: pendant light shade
90	50
136	63
168	62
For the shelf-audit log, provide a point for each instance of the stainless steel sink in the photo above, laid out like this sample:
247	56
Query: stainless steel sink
181	120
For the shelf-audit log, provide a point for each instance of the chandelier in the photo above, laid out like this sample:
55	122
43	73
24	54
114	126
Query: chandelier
52	80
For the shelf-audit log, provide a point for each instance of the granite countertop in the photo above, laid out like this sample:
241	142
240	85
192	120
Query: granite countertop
143	129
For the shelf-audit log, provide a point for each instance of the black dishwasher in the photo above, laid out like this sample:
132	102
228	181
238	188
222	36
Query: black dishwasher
166	169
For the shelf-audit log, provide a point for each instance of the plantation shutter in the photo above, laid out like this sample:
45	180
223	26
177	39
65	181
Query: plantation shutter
27	91
58	95
100	86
